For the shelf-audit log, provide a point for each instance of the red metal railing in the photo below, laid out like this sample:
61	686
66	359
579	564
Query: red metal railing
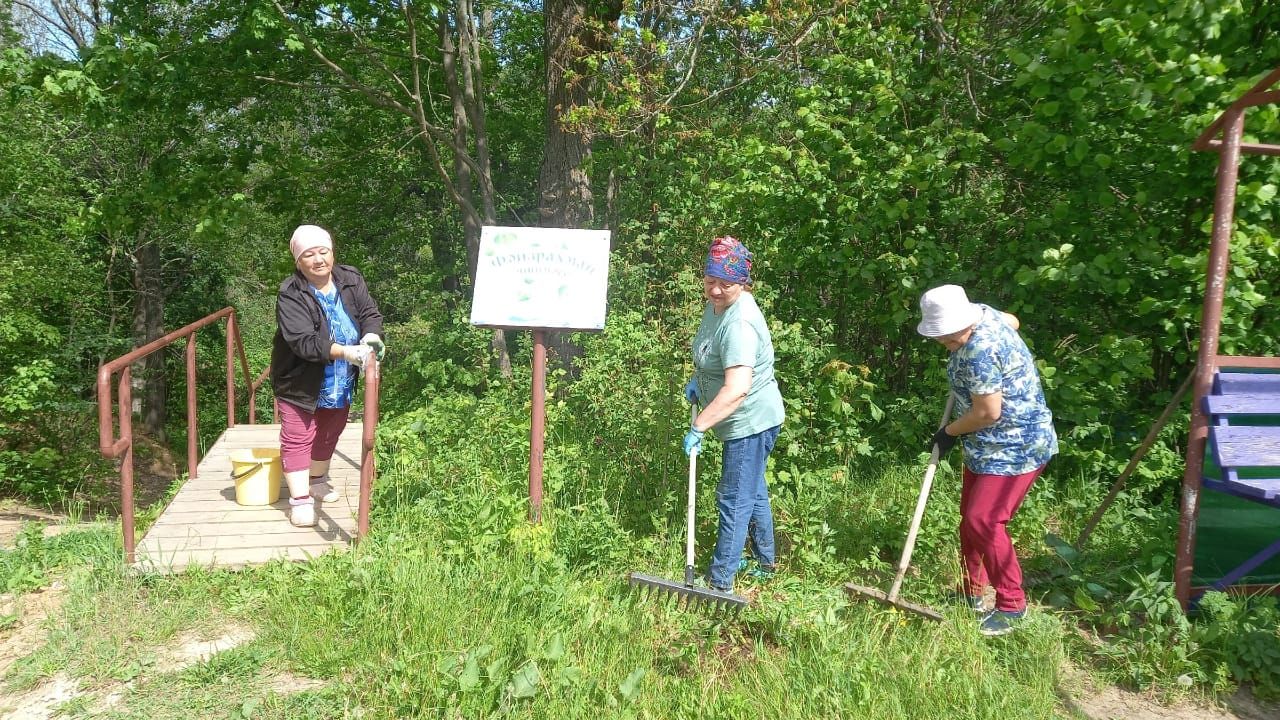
122	447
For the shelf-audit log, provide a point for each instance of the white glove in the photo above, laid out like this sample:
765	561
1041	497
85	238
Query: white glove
357	355
374	342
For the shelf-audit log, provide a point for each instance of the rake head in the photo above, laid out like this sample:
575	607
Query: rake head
862	592
691	595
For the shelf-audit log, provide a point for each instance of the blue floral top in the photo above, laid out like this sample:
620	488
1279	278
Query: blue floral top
339	378
997	360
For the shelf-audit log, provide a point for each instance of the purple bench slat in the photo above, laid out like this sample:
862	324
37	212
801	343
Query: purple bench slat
1255	489
1237	447
1252	403
1243	489
1228	383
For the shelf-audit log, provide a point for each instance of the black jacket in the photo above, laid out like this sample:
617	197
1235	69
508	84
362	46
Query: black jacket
301	347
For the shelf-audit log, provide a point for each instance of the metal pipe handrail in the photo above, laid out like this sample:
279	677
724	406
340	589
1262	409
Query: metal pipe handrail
122	446
1254	96
368	469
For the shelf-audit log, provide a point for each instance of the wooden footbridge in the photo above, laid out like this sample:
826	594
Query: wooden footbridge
203	525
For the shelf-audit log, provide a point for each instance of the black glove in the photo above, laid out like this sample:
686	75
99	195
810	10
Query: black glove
943	441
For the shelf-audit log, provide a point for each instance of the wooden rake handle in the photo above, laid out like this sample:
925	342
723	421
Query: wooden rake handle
920	503
693	474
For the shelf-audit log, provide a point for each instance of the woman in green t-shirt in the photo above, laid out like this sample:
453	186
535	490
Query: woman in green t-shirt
734	383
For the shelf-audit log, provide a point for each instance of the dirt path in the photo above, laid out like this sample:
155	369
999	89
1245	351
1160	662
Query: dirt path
41	702
1113	703
27	630
13	515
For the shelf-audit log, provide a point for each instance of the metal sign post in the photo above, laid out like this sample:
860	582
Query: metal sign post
540	279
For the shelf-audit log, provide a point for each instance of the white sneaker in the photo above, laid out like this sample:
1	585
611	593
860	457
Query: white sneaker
323	490
302	514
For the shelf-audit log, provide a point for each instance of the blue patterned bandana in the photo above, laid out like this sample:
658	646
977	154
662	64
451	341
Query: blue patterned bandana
729	260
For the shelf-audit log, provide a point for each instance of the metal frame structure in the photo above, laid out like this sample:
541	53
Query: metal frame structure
122	447
1230	146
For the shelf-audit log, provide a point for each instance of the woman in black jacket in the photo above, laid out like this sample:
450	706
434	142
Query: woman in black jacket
327	328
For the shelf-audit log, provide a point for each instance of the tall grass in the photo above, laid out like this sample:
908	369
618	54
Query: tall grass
456	607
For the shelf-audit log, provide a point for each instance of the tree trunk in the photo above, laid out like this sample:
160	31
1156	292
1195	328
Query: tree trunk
463	76
148	324
564	187
574	30
462	128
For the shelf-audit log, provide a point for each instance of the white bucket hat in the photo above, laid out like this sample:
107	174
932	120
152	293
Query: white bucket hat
946	310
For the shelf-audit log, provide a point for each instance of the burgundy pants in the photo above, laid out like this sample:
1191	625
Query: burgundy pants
306	436
987	502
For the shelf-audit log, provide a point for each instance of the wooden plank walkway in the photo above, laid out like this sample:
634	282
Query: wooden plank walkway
203	525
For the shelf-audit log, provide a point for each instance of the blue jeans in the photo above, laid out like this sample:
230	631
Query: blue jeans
743	501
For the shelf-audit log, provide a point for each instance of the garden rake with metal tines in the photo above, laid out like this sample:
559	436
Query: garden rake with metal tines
891	598
688	593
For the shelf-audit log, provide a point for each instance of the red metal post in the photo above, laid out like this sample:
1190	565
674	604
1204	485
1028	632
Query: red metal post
193	419
537	425
1210	324
232	333
368	467
125	395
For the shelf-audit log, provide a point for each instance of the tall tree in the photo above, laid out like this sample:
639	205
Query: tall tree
386	56
576	31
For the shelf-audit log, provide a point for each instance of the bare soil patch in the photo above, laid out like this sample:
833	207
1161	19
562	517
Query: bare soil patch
14	515
40	702
193	648
26	633
1113	703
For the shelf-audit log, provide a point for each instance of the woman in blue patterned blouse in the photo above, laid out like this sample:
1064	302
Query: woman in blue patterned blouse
1007	434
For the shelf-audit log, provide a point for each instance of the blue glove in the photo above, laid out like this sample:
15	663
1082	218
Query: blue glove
691	391
693	441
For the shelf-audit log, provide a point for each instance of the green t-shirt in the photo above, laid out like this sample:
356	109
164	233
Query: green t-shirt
739	336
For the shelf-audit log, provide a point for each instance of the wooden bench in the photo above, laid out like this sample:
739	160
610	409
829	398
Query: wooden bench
1236	448
1238	402
1252	403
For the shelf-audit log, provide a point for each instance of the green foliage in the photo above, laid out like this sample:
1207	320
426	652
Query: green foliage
1242	634
1036	152
34	558
1157	644
49	295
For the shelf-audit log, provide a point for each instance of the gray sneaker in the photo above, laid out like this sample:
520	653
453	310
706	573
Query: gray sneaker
1001	622
322	489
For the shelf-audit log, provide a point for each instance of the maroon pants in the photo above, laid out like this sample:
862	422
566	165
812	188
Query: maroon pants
987	502
306	436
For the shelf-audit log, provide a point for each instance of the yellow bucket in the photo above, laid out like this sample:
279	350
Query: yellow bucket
257	473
